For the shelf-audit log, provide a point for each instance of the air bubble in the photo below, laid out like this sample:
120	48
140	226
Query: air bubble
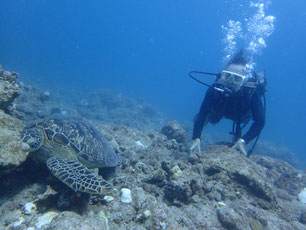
251	32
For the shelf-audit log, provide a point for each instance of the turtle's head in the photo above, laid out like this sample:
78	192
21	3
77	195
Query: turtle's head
32	137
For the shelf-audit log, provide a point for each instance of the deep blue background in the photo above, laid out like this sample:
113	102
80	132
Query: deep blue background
145	49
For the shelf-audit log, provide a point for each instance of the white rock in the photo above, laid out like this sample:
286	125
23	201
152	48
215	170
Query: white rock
45	219
126	196
302	196
49	191
176	171
6	73
221	204
46	93
163	225
63	112
147	214
20	221
140	144
29	208
108	198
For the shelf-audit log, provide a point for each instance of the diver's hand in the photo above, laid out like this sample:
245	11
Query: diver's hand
196	144
240	144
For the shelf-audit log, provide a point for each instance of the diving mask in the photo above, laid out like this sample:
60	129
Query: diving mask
232	80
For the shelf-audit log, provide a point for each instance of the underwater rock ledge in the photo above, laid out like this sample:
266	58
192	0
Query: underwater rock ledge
12	150
170	187
217	189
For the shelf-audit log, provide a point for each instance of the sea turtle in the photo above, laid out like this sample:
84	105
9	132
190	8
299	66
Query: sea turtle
70	146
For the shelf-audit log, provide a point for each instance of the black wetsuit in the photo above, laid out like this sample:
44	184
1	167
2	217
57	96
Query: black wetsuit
236	106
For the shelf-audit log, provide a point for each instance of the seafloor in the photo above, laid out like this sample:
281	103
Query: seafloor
171	188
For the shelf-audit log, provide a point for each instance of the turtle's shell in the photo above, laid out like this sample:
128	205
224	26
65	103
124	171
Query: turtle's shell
82	139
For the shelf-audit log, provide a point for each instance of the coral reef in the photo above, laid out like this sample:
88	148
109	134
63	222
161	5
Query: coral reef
173	130
42	104
9	89
168	187
217	189
271	149
103	105
117	109
13	151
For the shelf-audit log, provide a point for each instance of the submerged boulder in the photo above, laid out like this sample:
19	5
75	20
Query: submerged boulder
173	130
12	150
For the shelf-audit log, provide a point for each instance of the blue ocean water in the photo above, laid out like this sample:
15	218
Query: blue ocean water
145	49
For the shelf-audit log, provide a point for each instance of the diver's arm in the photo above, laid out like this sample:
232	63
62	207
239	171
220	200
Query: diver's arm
202	115
258	114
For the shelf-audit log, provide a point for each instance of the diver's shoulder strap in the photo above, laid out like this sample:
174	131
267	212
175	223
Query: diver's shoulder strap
260	80
250	84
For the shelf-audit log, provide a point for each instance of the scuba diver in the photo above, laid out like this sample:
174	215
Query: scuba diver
236	95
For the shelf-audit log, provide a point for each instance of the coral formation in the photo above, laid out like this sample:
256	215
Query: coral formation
302	196
217	189
13	151
42	104
173	130
126	196
274	150
9	89
210	192
116	109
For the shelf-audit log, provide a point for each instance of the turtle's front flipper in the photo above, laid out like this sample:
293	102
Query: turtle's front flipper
77	176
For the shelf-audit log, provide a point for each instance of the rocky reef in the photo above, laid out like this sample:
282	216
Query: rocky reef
279	151
102	105
12	150
171	189
158	183
9	89
34	104
117	109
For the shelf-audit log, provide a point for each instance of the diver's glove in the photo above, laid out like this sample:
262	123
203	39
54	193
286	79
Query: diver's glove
196	144
240	145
